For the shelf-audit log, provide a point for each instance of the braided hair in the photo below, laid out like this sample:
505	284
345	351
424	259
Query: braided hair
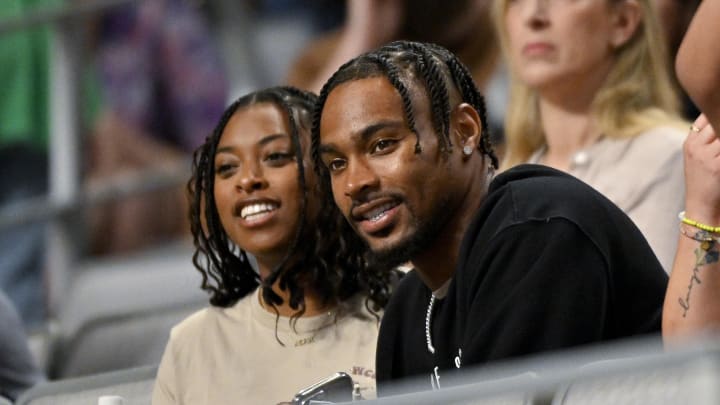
406	64
226	271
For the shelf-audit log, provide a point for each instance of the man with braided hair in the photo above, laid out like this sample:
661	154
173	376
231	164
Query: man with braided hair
530	261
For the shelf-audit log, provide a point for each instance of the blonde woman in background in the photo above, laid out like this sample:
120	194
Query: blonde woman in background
591	95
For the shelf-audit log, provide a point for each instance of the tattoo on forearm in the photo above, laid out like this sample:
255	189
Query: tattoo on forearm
706	253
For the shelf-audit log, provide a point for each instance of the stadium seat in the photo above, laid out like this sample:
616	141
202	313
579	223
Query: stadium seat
119	311
134	385
634	371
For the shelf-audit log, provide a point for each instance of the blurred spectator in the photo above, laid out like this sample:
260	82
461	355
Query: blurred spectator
18	370
323	15
23	155
163	88
462	26
591	95
22	247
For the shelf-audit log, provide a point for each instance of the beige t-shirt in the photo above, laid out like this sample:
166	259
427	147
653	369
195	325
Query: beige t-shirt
643	176
231	355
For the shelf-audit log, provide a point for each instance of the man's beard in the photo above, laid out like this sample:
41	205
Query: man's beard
405	250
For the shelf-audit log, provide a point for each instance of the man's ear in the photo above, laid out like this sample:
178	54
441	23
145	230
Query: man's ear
627	16
466	126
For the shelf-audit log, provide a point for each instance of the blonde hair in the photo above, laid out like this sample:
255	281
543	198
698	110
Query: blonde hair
637	94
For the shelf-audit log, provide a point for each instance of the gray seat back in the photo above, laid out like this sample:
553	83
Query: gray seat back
134	385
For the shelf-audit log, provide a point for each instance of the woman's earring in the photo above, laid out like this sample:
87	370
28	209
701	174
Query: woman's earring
467	150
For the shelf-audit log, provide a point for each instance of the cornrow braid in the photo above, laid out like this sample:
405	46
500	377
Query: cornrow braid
393	75
431	73
332	272
376	64
463	81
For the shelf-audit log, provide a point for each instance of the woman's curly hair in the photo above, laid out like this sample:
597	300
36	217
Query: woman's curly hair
334	271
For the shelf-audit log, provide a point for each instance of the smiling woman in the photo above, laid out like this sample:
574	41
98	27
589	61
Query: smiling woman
257	189
312	307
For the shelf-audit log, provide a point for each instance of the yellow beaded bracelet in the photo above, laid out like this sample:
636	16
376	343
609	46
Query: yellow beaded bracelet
698	225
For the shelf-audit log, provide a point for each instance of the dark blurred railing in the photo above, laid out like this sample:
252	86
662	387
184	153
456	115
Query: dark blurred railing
65	193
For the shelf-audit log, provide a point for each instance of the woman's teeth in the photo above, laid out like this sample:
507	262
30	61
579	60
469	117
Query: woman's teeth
254	210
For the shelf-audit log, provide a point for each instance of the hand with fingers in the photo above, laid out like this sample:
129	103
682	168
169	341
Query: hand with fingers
702	173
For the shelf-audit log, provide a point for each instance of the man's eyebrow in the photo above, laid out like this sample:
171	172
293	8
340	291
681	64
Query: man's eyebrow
365	134
262	142
370	130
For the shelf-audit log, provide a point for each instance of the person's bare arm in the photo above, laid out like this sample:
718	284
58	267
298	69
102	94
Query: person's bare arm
692	301
698	62
369	24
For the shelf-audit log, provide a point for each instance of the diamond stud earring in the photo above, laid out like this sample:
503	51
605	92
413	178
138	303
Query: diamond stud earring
467	150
